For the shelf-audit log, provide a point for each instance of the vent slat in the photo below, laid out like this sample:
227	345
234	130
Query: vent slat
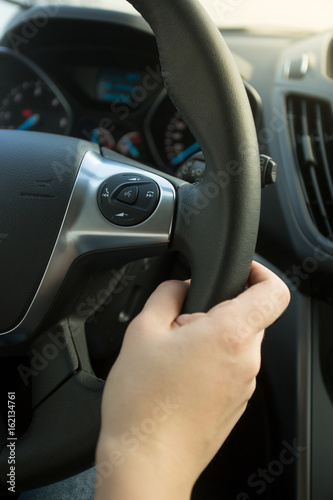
321	136
291	119
309	157
311	134
320	201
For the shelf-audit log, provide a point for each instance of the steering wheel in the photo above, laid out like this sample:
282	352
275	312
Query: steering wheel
68	208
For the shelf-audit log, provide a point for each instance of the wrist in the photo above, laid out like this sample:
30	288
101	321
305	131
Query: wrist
138	475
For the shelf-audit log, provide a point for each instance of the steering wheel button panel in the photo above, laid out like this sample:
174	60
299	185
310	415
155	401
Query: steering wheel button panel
128	203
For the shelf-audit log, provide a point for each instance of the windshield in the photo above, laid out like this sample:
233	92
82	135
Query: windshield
300	14
266	14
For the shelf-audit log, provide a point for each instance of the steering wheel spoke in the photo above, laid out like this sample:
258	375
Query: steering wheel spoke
117	206
114	207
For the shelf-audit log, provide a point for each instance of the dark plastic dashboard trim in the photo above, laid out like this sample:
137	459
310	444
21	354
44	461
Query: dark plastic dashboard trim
316	85
82	13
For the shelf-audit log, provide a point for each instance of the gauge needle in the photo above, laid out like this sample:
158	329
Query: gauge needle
184	154
131	148
30	122
95	136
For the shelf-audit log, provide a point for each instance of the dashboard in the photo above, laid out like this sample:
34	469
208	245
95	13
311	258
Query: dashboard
113	97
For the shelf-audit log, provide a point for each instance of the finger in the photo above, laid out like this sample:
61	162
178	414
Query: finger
166	303
186	319
262	277
262	303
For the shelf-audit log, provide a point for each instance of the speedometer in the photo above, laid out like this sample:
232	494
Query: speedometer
33	106
29	100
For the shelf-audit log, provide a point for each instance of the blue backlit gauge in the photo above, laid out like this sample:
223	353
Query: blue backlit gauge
131	145
179	143
33	106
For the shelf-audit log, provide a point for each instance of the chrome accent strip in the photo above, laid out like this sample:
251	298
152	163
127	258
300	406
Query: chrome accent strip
85	229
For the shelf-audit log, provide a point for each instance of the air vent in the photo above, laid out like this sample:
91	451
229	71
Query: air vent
311	130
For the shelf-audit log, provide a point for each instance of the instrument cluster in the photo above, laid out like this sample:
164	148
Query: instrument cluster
122	108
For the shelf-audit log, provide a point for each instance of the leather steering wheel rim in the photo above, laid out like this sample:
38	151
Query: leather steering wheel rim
217	221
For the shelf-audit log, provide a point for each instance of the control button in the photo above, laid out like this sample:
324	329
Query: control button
148	196
125	218
193	169
133	178
105	194
122	215
268	170
128	195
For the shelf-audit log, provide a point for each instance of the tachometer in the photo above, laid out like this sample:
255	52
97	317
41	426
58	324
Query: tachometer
179	143
170	139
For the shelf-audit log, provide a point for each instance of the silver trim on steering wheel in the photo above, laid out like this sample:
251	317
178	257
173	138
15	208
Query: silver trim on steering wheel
85	229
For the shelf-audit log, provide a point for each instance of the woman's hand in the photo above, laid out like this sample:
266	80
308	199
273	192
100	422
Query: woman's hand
178	387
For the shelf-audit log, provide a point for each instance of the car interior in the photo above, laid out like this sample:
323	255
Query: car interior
129	156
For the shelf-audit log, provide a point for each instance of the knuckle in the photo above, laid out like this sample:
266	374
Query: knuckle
235	343
251	389
285	295
281	295
254	366
250	367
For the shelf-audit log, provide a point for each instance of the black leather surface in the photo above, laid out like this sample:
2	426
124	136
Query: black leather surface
216	227
37	173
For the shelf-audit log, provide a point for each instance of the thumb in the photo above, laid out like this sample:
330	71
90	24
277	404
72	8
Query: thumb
166	303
